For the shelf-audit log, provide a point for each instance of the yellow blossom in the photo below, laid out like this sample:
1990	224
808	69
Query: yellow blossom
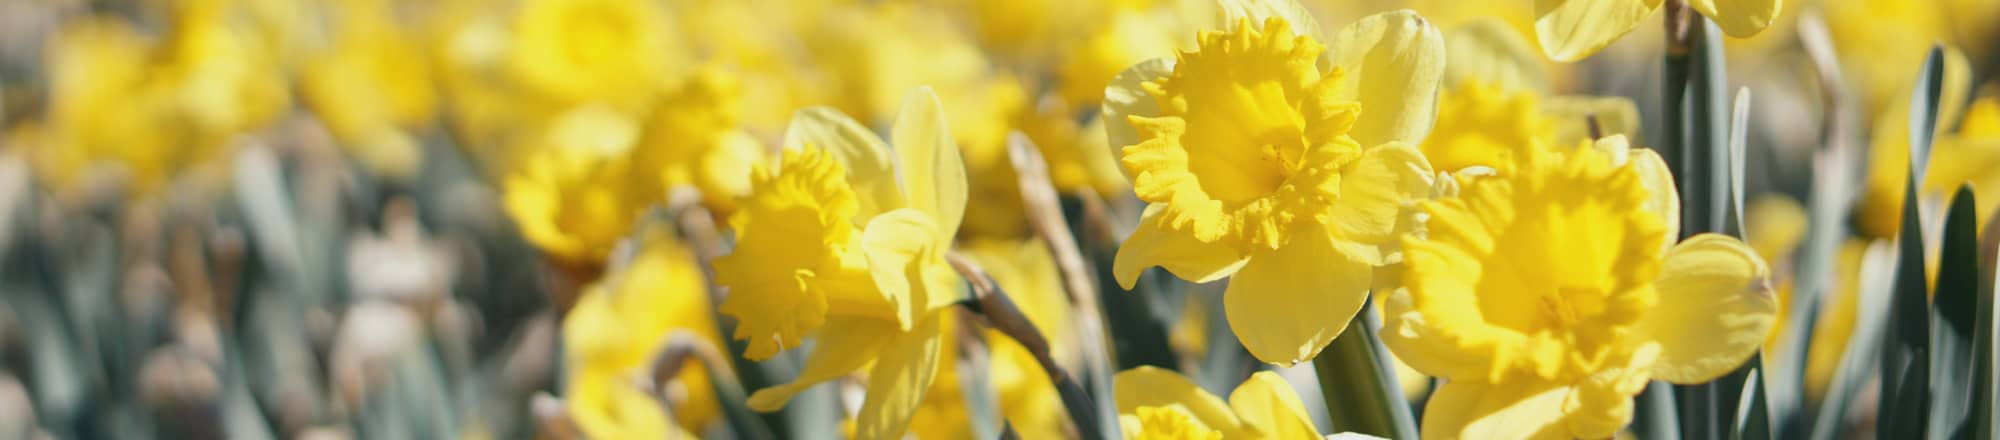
578	190
1157	404
1246	157
1546	299
577	51
835	175
694	132
372	90
150	108
615	330
1571	30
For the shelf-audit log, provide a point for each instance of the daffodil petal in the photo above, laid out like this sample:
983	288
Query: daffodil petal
1715	308
897	384
845	344
1287	304
1149	386
897	244
865	157
1255	12
1513	410
1570	30
1739	18
1601	405
933	173
1151	244
1664	199
1375	190
1489	50
1394	61
1271	409
1126	96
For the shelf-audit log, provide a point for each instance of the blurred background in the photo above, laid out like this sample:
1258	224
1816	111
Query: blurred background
478	219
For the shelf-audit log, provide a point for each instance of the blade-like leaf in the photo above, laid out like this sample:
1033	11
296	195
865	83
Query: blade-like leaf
1752	421
1954	316
1905	357
1705	186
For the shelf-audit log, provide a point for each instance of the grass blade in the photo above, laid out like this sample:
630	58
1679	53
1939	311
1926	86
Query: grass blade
1905	357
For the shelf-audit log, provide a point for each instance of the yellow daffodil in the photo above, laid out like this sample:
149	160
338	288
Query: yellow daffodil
1571	30
151	108
1157	404
371	90
1548	298
1258	163
872	54
579	189
615	330
873	289
694	132
608	51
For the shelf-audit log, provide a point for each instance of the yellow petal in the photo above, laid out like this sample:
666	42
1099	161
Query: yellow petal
1601	405
1287	304
933	174
1153	387
845	344
1739	18
1152	244
1126	96
1394	61
897	383
1715	308
1271	409
1489	50
1662	196
864	156
1374	191
1513	410
1570	30
1235	12
901	246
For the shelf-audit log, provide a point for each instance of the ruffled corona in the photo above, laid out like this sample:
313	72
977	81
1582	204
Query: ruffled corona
779	288
1547	299
1251	140
1531	273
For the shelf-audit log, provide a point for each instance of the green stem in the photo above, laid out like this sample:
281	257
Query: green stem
1359	385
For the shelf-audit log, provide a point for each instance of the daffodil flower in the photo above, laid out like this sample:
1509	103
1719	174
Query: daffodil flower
1548	298
830	243
613	332
1571	30
1260	164
1157	404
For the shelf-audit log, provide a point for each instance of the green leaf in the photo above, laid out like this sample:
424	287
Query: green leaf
1980	408
1706	180
1752	415
1359	384
1954	316
1905	357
